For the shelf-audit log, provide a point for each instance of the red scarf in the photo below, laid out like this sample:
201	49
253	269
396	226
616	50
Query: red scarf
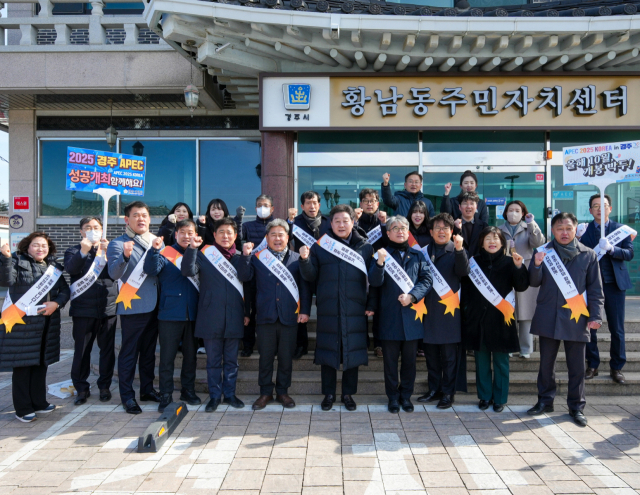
227	253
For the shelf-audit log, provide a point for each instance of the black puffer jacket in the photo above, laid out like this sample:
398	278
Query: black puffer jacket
167	231
99	300
38	340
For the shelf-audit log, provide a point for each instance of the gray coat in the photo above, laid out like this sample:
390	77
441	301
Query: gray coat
120	269
553	321
528	236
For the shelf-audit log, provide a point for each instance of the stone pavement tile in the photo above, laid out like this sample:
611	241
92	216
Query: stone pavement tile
208	471
520	477
254	451
104	460
355	417
504	448
290	441
243	480
529	446
320	426
228	431
173	464
441	479
624	465
355	461
322	476
568	486
434	463
270	428
293	430
287	483
292	453
407	466
286	466
632	479
355	428
31	490
250	463
357	439
402	482
591	469
448	491
604	481
555	473
92	440
473	466
77	454
70	466
362	474
521	435
510	462
623	439
295	418
161	482
537	459
16	478
483	481
489	435
615	491
267	416
49	478
322	490
57	444
323	460
204	487
324	447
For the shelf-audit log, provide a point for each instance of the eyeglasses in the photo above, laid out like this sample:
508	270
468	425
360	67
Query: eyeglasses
442	229
395	230
597	207
414	182
369	201
278	235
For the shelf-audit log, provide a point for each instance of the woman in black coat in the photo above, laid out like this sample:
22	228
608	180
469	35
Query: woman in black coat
31	347
488	331
180	211
217	210
343	305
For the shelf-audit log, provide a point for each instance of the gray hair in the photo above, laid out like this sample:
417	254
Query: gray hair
265	196
397	219
278	222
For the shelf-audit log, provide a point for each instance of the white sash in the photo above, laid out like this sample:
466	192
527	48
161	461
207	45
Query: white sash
25	306
128	289
261	246
174	256
616	237
281	272
81	285
575	302
343	252
307	240
447	297
374	235
226	269
506	305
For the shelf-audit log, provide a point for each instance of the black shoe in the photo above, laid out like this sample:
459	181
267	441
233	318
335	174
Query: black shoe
540	408
233	401
484	404
406	404
446	402
327	402
430	396
105	395
578	417
212	405
132	407
300	351
498	407
246	352
153	396
164	402
393	406
81	398
190	397
348	402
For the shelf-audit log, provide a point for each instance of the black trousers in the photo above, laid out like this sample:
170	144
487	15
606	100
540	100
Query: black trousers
614	307
575	352
170	334
442	365
405	350
329	378
276	339
29	389
85	332
139	339
249	337
375	329
302	339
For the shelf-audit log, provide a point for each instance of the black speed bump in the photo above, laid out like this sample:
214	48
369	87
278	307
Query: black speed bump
158	431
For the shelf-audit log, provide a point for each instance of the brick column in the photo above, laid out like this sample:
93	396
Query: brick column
277	170
22	165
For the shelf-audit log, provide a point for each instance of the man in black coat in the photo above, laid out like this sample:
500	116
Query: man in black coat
315	225
615	283
469	226
93	309
339	264
254	232
560	320
283	300
468	183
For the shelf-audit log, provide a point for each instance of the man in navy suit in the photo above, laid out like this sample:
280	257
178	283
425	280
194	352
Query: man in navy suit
615	282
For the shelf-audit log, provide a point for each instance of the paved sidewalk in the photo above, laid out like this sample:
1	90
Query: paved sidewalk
90	449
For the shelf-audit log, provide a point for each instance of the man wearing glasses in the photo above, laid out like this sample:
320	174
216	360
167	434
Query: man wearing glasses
615	282
401	201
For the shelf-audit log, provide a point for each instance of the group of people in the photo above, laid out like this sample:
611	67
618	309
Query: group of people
434	285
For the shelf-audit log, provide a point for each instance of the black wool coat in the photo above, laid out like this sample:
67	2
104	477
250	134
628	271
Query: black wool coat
341	299
36	342
484	324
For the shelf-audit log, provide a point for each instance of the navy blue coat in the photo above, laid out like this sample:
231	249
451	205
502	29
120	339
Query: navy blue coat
341	299
452	207
255	230
621	252
367	223
325	226
99	300
401	201
398	322
273	300
441	328
471	243
178	296
221	308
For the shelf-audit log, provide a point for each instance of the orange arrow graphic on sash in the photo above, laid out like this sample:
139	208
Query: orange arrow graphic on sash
12	316
577	306
420	309
126	295
412	241
298	309
507	310
451	301
171	254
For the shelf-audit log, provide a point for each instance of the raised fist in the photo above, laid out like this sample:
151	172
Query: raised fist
304	252
539	257
517	259
582	227
458	242
247	248
196	242
202	219
127	249
6	250
382	254
104	244
382	216
458	224
172	218
529	217
358	213
447	188
157	243
385	179
292	214
85	245
240	211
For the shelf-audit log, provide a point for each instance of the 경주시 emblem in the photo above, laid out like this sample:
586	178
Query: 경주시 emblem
296	96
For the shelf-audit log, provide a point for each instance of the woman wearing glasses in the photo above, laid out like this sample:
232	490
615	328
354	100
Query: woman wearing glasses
403	275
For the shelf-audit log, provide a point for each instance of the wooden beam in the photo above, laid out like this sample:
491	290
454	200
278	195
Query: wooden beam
295	53
380	61
385	41
447	64
469	64
623	58
402	63
432	43
409	43
616	39
579	62
536	63
478	44
268	30
570	42
524	44
319	56
299	34
356	39
331	36
501	44
557	63
360	60
548	43
512	64
455	44
425	64
340	58
601	60
592	40
491	64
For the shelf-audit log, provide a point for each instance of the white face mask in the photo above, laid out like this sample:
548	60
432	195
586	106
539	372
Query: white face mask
93	235
514	217
263	211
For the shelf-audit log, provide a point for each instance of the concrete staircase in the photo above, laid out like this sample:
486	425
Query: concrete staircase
306	375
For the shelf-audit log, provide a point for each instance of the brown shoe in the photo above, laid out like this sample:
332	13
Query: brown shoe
378	352
262	402
286	401
590	373
617	376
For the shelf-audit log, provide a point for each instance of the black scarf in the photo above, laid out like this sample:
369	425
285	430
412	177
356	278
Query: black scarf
368	222
566	251
403	246
313	224
491	258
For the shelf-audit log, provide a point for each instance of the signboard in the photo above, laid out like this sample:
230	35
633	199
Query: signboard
500	211
562	194
88	170
539	177
495	201
601	164
415	101
21	203
16	238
